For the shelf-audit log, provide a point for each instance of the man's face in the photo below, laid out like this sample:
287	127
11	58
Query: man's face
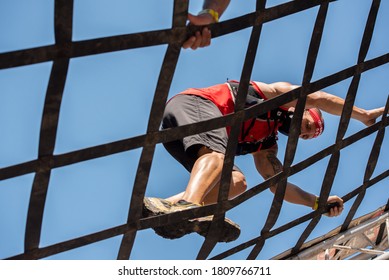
307	127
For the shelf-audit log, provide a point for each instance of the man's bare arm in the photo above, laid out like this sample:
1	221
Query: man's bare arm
327	102
268	165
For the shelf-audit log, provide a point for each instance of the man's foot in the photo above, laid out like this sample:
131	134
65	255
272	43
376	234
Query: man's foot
182	205
229	232
153	206
156	206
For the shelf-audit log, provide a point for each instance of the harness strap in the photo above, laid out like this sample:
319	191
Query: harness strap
277	115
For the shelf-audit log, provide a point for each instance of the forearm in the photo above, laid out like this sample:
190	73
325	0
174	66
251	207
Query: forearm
324	101
269	165
334	105
217	5
296	195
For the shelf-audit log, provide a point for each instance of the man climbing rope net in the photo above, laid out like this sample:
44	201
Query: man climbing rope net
203	154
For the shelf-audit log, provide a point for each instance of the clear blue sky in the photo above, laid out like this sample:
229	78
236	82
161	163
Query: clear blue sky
108	97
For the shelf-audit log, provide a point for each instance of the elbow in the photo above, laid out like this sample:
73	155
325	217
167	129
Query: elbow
315	99
284	84
273	189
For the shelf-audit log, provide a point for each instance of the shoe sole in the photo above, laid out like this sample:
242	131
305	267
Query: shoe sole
228	233
153	206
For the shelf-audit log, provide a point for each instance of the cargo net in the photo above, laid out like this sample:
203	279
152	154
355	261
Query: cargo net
42	168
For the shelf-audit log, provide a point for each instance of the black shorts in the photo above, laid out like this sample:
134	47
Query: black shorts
186	109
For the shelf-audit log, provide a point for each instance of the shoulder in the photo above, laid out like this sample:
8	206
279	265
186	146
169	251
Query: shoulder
267	89
275	89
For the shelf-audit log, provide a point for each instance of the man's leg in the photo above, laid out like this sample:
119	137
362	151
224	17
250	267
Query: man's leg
203	188
204	164
205	175
238	186
204	182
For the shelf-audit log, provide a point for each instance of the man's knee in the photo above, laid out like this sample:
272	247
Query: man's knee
240	184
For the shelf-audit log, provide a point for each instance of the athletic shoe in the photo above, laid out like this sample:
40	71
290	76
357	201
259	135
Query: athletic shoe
182	205
229	232
157	206
153	206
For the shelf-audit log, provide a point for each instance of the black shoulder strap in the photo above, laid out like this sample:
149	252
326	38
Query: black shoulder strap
252	97
277	114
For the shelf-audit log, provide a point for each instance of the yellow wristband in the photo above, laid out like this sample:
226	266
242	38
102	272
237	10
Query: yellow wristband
316	205
213	13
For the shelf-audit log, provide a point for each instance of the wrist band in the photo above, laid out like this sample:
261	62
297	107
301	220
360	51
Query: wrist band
316	205
213	13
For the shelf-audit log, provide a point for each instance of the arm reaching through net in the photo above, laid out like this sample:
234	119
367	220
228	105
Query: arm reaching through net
268	165
212	11
322	100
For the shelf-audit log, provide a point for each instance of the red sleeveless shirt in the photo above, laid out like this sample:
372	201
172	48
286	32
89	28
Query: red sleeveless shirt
253	130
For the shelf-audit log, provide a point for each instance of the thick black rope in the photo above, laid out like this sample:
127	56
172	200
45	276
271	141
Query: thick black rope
64	49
